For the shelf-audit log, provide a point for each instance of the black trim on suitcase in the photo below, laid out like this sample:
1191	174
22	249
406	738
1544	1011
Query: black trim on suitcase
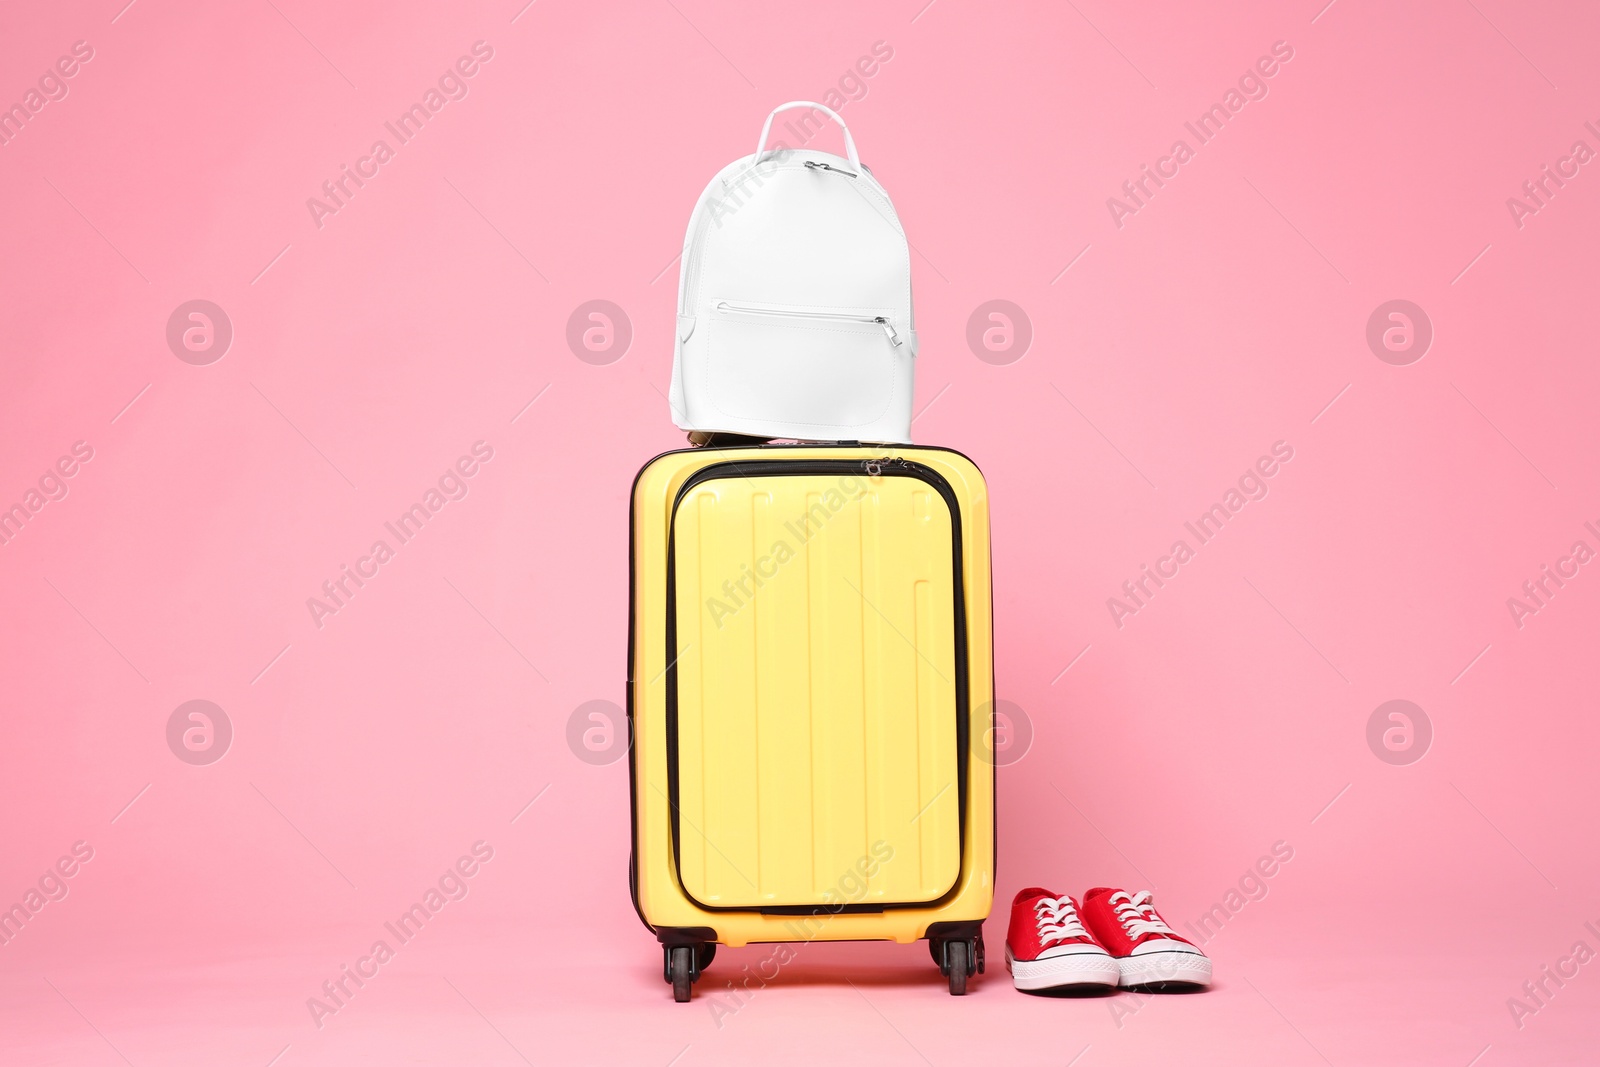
892	467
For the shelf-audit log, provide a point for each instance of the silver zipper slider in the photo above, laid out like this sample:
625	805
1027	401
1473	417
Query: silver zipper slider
812	164
874	467
888	328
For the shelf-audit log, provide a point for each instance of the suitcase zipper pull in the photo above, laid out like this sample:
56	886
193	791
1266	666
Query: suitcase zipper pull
874	467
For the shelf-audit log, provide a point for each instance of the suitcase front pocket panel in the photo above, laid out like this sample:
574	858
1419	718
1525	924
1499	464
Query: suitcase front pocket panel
816	713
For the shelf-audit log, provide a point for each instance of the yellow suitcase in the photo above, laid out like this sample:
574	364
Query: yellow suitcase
810	694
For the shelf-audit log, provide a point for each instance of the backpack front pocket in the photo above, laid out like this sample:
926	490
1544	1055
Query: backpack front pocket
803	365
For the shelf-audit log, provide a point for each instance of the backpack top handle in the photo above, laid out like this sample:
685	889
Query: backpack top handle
849	142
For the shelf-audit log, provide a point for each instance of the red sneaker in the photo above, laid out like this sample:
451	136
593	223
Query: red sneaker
1147	950
1048	948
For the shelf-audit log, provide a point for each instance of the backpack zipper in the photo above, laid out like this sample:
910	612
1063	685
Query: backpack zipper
812	164
874	320
691	265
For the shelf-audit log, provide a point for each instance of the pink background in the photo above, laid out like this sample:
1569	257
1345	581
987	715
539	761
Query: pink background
1229	313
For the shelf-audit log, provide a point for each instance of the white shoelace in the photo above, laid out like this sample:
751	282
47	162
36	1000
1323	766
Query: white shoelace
1057	920
1138	915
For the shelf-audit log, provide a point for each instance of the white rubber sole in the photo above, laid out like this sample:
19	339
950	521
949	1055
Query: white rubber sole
1154	968
1064	972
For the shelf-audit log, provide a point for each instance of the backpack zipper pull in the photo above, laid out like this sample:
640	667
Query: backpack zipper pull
888	328
812	164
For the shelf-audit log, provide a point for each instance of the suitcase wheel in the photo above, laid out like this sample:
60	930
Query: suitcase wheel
956	965
958	960
678	967
681	966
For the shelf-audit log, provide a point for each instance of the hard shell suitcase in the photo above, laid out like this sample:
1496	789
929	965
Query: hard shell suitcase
810	692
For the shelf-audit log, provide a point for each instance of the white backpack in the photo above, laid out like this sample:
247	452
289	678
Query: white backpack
794	301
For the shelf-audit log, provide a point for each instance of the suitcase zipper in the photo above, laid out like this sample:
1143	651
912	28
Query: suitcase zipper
826	316
897	466
874	467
